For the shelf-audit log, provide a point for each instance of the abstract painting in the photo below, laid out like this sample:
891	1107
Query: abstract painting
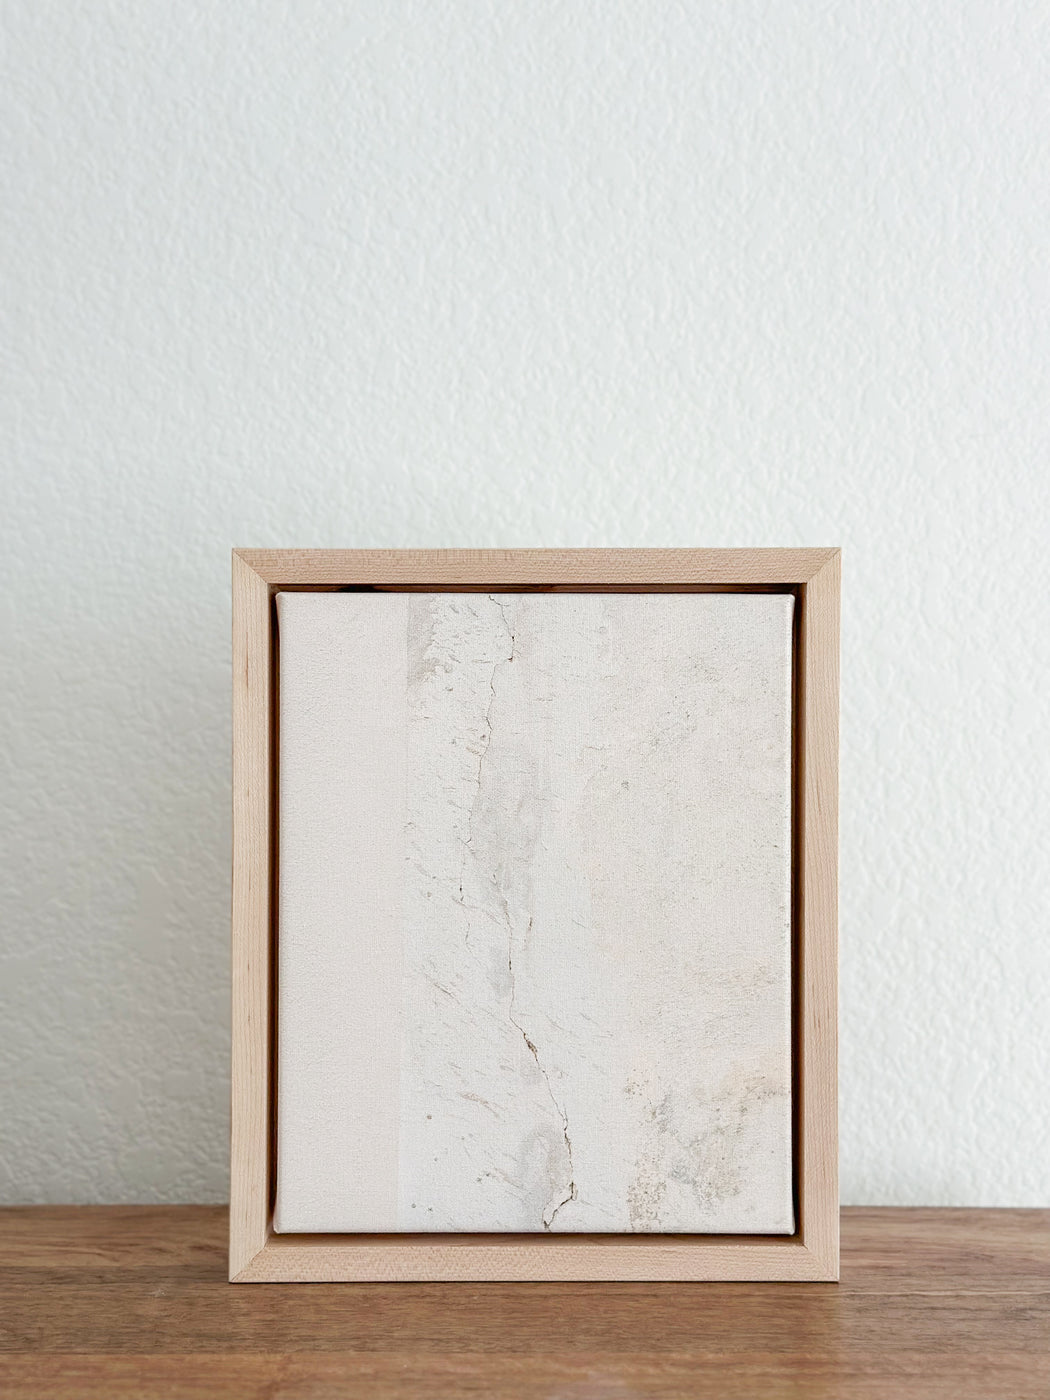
534	895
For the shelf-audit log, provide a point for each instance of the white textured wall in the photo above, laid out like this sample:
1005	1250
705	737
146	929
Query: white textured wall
521	273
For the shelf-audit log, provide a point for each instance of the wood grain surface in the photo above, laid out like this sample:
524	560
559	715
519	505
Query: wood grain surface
544	568
133	1301
252	897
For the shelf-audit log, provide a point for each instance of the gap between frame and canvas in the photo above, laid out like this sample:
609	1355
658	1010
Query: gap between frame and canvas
256	1254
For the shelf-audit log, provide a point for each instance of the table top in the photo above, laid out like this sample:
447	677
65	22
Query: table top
120	1301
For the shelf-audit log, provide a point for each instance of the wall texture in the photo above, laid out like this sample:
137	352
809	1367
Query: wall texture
520	273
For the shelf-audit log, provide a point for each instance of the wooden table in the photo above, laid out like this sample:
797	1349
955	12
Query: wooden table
101	1303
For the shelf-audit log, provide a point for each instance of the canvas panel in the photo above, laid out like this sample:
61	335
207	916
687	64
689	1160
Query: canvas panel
534	967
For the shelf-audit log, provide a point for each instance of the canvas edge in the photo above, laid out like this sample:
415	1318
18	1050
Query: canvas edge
254	1256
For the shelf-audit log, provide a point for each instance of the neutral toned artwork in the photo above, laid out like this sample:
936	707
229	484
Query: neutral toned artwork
534	912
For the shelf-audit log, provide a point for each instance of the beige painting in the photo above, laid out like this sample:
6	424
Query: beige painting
534	894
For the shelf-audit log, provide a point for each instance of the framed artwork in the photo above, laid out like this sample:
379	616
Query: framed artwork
534	914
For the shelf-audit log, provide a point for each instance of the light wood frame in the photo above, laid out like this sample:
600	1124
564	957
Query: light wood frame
257	1255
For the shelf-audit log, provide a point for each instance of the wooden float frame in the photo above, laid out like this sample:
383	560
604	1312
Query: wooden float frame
257	1255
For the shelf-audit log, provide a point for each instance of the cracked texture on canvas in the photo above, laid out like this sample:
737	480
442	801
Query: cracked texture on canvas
594	1027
